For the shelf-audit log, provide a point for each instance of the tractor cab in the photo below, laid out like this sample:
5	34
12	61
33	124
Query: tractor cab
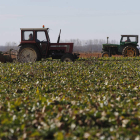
34	35
129	39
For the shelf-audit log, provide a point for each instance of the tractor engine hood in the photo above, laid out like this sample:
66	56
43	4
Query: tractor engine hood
110	45
67	47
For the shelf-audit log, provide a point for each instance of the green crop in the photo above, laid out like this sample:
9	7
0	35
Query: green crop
87	99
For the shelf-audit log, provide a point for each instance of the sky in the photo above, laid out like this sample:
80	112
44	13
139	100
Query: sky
78	19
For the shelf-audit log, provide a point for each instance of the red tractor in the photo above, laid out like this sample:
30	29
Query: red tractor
35	44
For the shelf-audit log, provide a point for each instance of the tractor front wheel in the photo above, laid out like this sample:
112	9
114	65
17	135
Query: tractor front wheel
67	58
105	54
130	51
28	53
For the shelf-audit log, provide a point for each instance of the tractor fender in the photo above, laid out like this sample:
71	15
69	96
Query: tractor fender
130	44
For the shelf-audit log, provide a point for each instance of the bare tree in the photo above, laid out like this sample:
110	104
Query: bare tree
10	45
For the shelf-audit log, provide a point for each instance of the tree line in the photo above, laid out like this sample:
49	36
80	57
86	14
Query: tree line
8	46
91	45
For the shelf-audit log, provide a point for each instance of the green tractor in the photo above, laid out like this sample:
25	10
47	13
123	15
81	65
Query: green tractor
127	48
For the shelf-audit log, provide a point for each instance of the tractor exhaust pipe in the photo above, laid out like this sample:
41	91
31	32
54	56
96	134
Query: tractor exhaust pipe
107	39
59	37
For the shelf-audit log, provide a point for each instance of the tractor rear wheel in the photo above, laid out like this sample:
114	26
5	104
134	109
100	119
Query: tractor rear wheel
130	51
67	58
28	53
105	54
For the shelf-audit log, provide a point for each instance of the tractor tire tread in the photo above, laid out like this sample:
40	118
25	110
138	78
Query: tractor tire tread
123	52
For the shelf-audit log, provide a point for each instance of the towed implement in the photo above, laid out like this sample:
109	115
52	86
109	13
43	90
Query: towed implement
8	56
127	47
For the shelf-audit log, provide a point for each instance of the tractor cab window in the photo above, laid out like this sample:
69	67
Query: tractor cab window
28	35
133	39
41	36
129	39
124	39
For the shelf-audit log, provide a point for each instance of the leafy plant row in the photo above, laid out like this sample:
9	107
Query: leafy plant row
88	99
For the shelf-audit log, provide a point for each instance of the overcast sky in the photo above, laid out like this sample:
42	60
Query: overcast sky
78	19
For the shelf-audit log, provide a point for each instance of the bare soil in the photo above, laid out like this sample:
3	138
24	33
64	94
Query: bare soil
96	54
88	55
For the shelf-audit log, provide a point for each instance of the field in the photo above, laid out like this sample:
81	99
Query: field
97	98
